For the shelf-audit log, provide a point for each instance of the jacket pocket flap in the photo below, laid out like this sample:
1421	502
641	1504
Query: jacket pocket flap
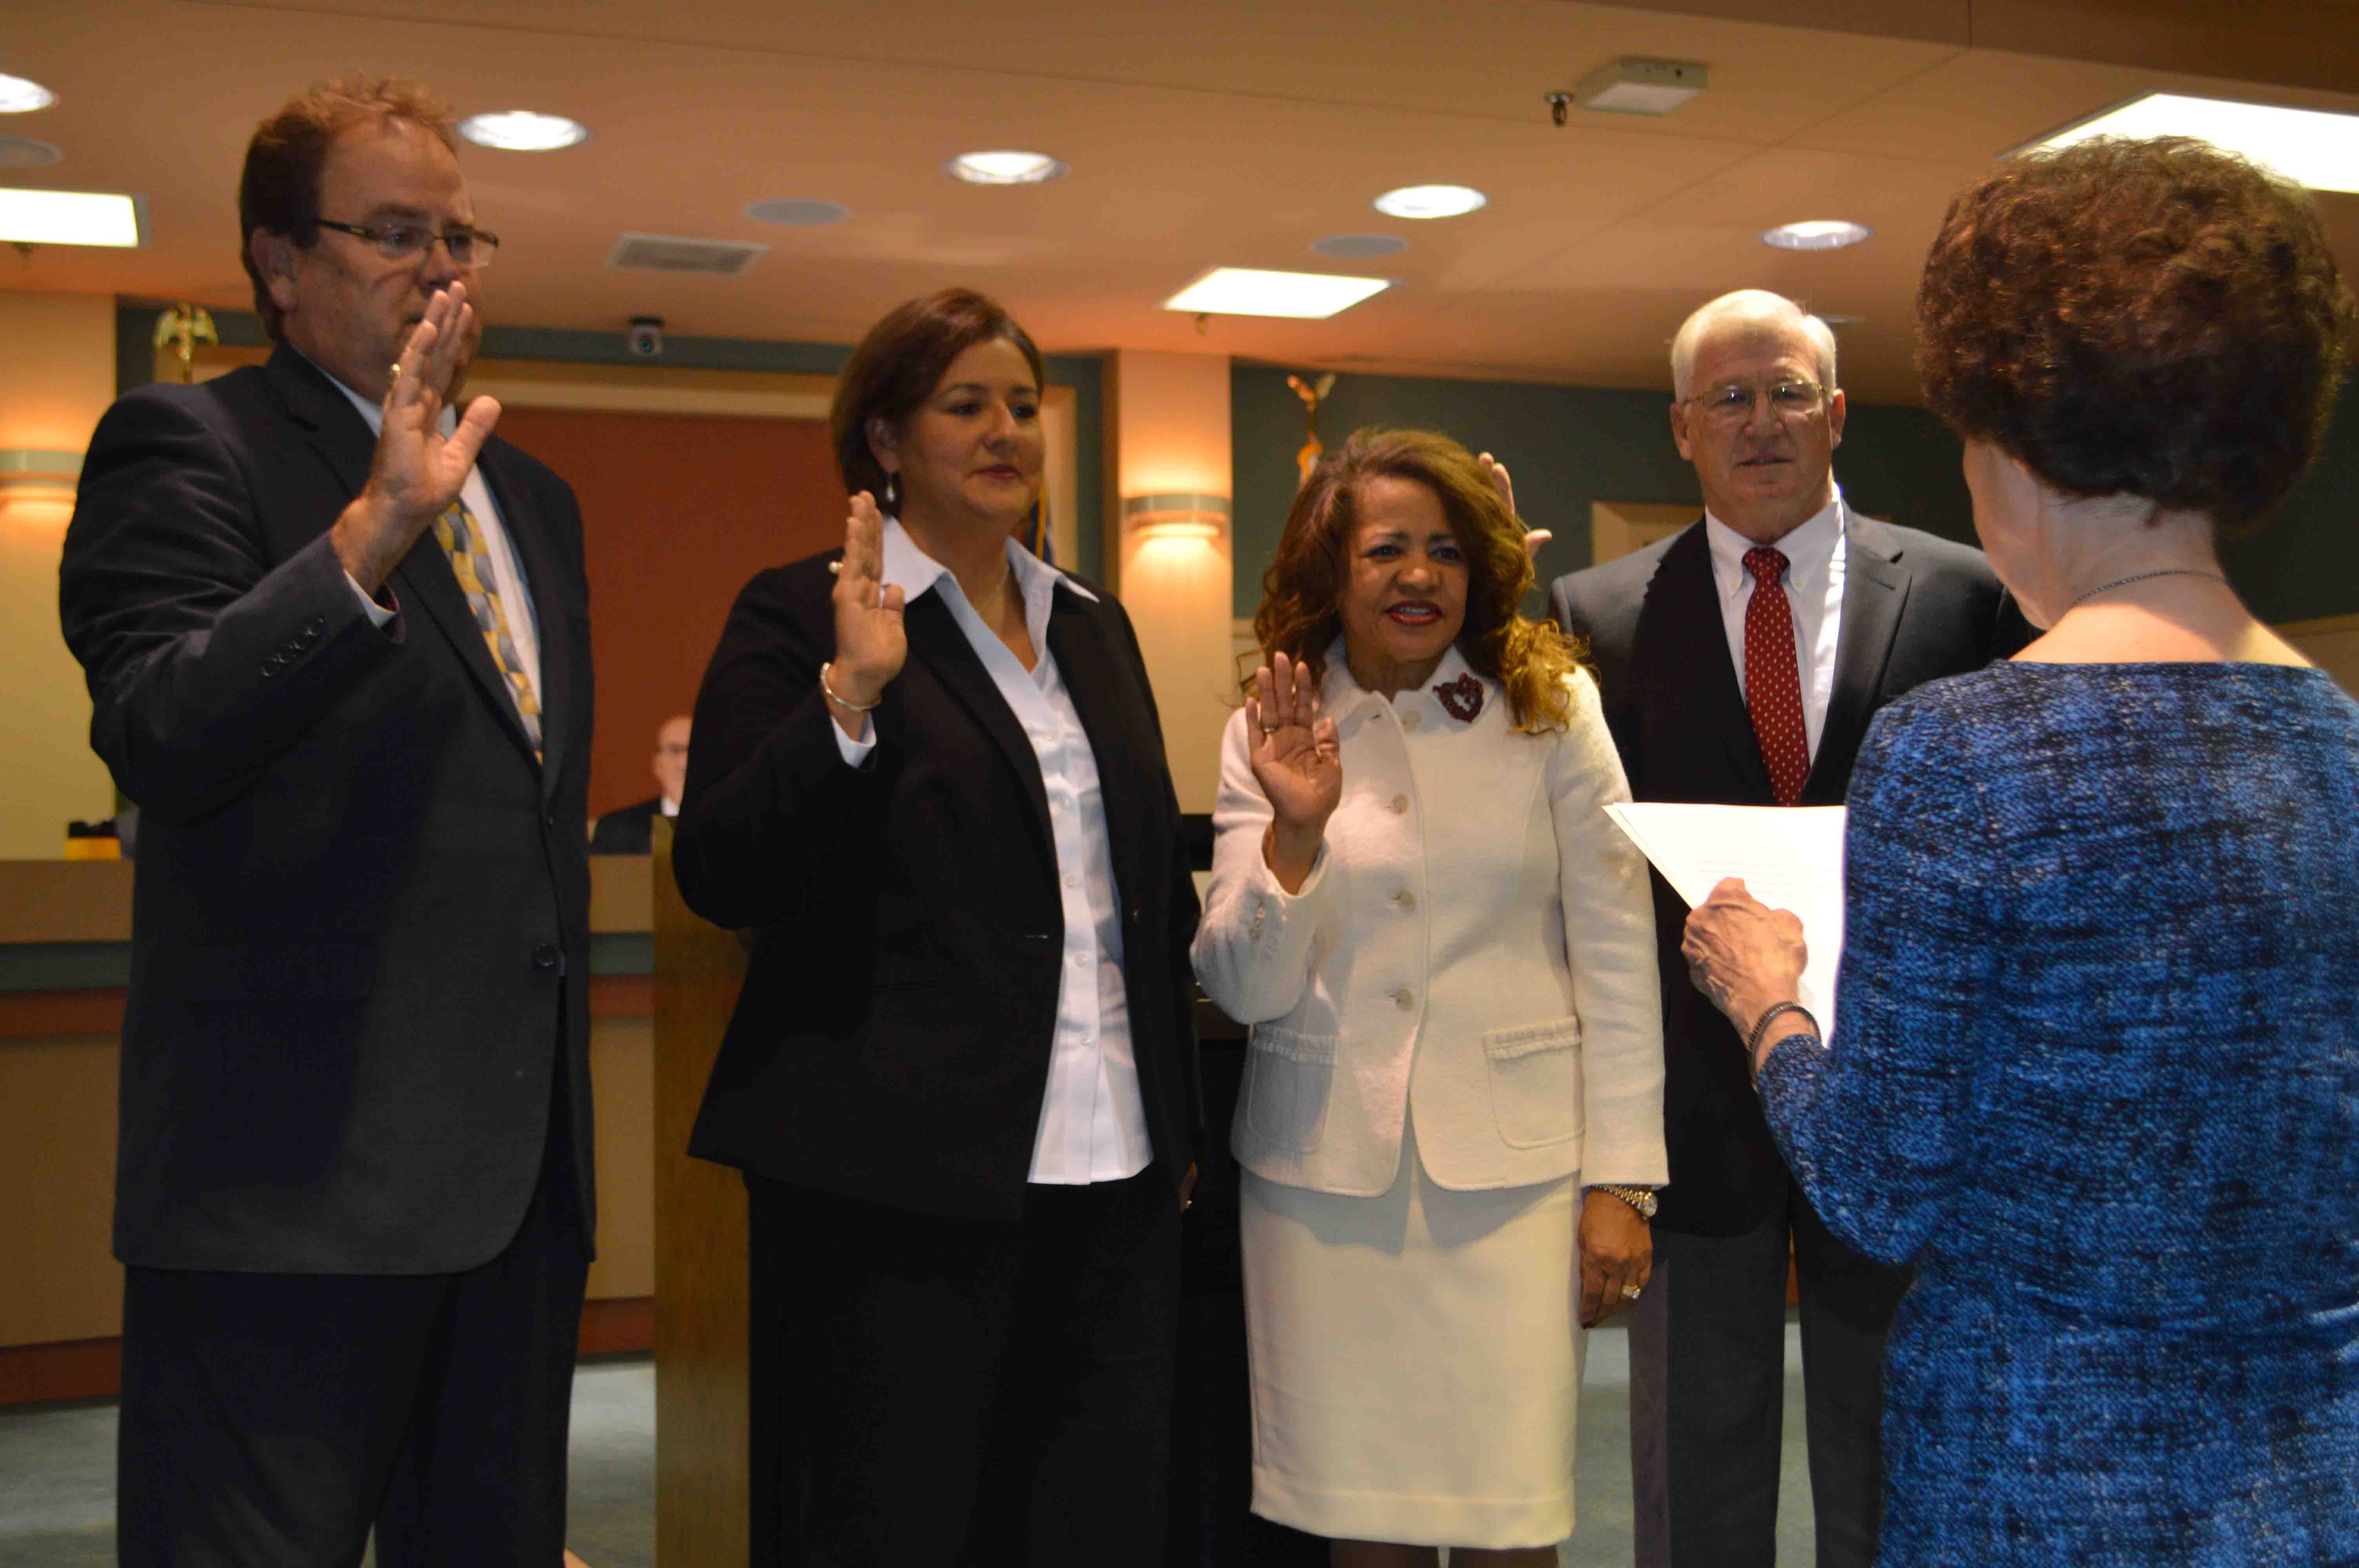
1526	1039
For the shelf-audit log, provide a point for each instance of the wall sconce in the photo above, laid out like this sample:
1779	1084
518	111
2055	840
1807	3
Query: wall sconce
1202	517
37	485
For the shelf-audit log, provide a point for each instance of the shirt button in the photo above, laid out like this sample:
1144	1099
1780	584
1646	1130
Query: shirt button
1404	998
1072	880
1409	720
1406	899
1400	805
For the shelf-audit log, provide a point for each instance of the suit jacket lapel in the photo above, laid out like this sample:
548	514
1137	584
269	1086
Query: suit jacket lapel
1689	657
935	638
1875	588
537	553
423	577
1087	664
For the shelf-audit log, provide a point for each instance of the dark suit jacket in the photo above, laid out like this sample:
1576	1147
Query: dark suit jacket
1916	607
627	830
892	1039
360	934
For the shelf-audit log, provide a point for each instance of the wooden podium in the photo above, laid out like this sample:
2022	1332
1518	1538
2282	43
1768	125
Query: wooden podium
703	1368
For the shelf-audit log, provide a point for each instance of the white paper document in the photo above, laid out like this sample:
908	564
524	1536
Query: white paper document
1790	857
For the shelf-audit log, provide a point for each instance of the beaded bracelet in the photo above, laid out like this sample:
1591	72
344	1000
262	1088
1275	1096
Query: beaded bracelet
1775	1010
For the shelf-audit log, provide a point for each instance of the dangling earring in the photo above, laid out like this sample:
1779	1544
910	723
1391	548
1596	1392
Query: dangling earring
892	490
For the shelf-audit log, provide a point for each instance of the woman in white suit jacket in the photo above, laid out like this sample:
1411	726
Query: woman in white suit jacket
1452	1118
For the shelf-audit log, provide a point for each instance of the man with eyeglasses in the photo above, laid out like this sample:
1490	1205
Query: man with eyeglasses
1740	660
337	641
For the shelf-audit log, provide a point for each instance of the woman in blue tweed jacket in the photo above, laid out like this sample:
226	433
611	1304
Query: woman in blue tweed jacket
2096	1072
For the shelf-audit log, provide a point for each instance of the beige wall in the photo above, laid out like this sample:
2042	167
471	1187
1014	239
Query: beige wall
1170	414
57	376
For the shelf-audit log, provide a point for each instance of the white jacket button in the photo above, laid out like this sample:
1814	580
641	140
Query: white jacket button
1406	899
1409	720
1404	998
1400	805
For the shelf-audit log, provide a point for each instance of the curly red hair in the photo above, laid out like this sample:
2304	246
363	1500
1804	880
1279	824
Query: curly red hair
1299	615
2156	318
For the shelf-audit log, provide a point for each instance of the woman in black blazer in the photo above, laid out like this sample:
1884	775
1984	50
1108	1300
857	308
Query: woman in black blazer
960	1079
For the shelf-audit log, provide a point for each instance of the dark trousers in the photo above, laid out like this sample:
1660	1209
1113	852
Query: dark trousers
962	1391
1708	1384
271	1419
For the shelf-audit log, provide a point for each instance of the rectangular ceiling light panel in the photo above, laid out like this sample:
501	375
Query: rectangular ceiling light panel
69	218
1244	291
2310	147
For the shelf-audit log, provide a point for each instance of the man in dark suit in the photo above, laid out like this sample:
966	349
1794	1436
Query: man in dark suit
337	644
630	830
1740	662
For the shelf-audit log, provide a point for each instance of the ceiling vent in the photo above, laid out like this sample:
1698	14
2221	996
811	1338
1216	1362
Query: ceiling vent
668	252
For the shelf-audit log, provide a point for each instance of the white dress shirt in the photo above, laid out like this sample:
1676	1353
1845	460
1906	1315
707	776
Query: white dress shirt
507	572
1093	1120
1814	589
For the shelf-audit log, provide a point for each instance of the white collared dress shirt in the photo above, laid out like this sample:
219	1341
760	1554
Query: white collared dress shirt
1814	591
1093	1120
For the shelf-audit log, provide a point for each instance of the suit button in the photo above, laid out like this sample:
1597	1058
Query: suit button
545	959
1404	998
1400	805
1406	899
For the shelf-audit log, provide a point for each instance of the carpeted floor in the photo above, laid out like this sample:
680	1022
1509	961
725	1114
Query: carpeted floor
57	1471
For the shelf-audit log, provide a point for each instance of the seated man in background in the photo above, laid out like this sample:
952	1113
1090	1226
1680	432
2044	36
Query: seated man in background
631	830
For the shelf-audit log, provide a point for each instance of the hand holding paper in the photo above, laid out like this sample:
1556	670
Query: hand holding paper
1789	857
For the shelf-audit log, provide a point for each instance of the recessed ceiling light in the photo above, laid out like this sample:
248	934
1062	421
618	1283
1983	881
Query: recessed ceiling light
69	218
1360	245
1817	234
1004	167
1244	291
797	211
18	96
23	152
2311	146
1430	200
523	131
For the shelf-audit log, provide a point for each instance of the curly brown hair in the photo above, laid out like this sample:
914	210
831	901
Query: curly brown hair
280	188
2156	318
1299	615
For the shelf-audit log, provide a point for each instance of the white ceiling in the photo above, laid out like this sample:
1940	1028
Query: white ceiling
1218	133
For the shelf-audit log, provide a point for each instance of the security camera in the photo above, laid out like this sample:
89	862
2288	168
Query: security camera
645	339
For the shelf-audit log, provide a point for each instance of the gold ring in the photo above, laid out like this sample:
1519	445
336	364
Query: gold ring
394	371
836	569
1630	1292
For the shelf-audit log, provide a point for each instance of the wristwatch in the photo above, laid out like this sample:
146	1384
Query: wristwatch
1640	1198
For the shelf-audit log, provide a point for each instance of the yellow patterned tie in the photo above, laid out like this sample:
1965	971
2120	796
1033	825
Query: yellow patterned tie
461	538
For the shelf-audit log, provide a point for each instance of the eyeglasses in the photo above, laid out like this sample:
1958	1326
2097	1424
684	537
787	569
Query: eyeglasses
400	241
1728	405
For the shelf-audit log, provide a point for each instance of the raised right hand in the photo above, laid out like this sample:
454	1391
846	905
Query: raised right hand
416	472
1298	760
871	642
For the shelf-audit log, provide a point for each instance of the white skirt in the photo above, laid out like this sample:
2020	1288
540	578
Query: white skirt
1416	1359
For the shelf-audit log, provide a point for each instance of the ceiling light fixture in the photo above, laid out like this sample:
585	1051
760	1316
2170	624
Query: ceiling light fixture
23	152
18	96
796	211
1431	202
1635	85
1359	246
1004	167
69	218
1816	234
2311	146
1244	291
523	131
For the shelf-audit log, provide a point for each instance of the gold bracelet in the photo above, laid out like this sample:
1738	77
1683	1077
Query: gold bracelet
828	692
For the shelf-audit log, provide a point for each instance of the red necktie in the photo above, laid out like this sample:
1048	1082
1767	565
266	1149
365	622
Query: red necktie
1773	690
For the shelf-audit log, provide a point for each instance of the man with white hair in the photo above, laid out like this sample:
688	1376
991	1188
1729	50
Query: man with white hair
1740	662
